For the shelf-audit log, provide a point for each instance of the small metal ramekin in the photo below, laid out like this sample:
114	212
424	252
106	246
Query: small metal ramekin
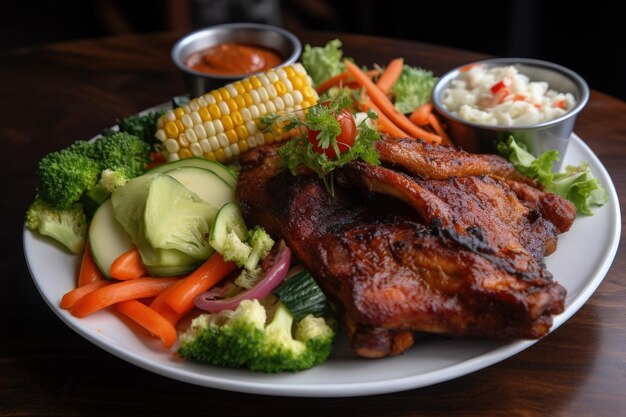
285	43
540	137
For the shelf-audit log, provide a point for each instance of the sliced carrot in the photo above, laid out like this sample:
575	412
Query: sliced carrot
128	265
381	100
160	306
390	76
384	124
434	122
120	291
70	298
149	319
89	271
420	114
181	298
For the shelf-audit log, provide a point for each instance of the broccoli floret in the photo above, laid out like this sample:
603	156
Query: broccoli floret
121	151
142	126
248	279
63	176
111	179
235	250
261	243
240	338
68	226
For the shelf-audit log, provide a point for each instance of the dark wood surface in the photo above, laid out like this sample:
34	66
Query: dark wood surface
55	94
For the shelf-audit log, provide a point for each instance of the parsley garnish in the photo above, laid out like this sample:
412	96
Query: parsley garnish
299	151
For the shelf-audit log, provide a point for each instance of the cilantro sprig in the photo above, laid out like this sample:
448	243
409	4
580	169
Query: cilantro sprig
300	151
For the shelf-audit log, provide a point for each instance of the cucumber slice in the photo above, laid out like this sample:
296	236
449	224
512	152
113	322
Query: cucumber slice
219	169
107	238
302	296
176	218
228	219
206	184
129	203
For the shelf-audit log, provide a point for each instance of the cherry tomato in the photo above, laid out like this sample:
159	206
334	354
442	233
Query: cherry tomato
346	138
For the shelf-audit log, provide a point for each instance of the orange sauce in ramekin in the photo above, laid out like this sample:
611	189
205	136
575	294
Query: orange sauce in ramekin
233	59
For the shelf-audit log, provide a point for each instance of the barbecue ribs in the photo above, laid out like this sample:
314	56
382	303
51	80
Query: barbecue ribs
436	240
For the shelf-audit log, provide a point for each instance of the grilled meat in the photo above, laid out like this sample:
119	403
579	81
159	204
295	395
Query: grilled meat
456	255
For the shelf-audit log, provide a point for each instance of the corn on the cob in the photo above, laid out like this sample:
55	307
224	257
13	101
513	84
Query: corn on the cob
223	123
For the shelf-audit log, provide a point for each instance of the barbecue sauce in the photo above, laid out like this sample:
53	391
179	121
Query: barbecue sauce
233	59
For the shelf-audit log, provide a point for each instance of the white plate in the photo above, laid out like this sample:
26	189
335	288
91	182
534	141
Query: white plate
577	265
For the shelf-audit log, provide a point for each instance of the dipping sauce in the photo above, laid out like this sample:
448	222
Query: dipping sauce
233	59
502	96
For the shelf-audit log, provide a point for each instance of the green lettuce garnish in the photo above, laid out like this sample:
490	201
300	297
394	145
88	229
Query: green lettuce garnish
323	62
413	88
576	183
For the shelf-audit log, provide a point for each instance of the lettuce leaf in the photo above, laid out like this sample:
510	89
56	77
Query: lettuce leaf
413	88
576	183
323	62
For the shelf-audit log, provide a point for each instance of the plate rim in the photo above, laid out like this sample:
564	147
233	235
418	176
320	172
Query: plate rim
403	383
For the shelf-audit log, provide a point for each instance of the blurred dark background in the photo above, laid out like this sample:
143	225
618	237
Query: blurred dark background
590	39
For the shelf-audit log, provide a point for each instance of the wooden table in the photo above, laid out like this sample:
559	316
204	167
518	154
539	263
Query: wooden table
54	94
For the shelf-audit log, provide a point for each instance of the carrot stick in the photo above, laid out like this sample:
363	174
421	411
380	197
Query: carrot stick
70	298
381	100
343	78
160	306
434	122
149	320
390	76
384	124
128	265
120	291
89	271
207	275
332	81
420	114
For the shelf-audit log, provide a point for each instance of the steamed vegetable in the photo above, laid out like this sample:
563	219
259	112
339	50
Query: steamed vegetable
576	183
68	226
247	338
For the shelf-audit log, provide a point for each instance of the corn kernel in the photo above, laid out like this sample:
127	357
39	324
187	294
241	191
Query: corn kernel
209	99
224	109
256	83
201	103
185	153
223	140
288	100
231	90
160	135
179	125
305	104
247	99
179	113
232	136
280	88
308	92
254	95
210	156
252	141
204	114
171	130
289	71
187	122
224	93
173	157
269	138
236	118
200	131
271	76
297	83
263	94
194	105
214	111
243	145
228	152
278	103
227	122
254	111
206	146
186	108
182	140
232	104
240	102
196	149
271	90
215	145
219	127
209	127
220	155
263	78
251	127
234	148
195	117
259	138
245	114
247	84
191	135
216	96
239	87
242	132
170	116
172	145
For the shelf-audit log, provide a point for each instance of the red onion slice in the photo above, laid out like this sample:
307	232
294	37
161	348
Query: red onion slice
274	276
